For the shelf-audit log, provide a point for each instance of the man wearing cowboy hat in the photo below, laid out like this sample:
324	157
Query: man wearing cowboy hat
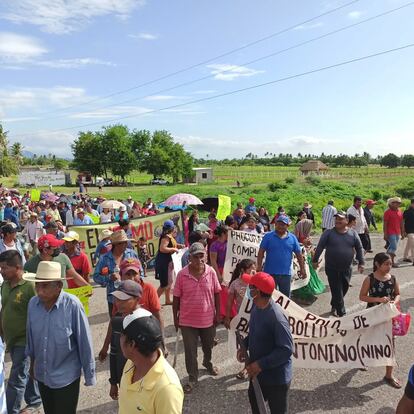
82	219
393	227
59	341
33	231
107	269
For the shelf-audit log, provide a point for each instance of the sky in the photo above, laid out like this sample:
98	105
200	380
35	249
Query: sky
77	65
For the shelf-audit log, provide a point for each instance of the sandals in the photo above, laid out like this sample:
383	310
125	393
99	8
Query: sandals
393	382
188	388
211	369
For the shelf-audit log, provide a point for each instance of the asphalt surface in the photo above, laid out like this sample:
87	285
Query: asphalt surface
312	391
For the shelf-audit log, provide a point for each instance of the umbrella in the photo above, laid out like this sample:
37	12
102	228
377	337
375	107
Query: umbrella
112	204
177	201
50	197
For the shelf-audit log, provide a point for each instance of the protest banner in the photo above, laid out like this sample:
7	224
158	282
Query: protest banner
362	339
224	207
149	227
82	293
243	245
177	264
35	195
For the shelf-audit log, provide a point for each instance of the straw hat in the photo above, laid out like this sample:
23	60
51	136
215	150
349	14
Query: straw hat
46	272
119	237
394	200
104	234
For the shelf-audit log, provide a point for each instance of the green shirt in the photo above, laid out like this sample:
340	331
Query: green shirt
14	311
32	264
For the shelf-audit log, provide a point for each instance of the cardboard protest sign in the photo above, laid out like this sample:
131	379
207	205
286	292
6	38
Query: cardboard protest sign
224	207
82	293
356	340
149	227
243	245
35	195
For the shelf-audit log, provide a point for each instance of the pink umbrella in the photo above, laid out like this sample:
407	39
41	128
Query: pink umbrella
177	200
50	197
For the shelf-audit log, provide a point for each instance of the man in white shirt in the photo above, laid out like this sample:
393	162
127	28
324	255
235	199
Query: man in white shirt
361	226
70	215
33	231
328	216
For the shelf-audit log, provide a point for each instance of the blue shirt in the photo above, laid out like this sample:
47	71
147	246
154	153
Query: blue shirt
250	208
279	253
18	247
85	222
409	388
59	341
9	214
104	279
270	344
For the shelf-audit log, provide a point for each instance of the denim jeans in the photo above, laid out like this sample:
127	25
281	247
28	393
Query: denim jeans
283	283
20	385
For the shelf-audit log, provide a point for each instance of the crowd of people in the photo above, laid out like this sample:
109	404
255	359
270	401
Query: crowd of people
47	333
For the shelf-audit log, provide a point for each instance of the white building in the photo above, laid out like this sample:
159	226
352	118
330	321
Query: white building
38	176
203	175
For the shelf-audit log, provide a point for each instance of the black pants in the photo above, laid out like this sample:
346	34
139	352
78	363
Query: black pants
339	285
275	395
365	240
60	400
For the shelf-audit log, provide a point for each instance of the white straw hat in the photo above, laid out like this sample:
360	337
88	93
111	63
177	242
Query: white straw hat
46	272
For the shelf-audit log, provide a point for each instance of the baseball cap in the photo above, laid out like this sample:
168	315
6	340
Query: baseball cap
284	219
33	214
340	214
370	202
196	248
130	264
105	233
252	200
51	225
122	208
49	240
263	281
128	289
71	236
168	224
144	330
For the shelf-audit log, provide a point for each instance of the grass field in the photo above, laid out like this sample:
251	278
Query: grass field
340	185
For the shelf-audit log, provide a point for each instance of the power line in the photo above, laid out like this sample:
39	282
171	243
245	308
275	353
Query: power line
193	66
260	85
278	52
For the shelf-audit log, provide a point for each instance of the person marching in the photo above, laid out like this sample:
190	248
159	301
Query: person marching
382	287
270	346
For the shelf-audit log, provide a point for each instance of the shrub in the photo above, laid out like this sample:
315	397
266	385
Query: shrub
406	191
277	185
290	180
312	179
246	183
376	195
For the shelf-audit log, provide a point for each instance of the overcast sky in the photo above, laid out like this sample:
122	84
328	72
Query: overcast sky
65	64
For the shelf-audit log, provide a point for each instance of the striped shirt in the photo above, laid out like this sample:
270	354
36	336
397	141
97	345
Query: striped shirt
328	219
197	306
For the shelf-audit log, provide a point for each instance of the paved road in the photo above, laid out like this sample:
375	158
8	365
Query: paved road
312	391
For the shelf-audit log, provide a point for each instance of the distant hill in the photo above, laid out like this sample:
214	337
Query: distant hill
27	154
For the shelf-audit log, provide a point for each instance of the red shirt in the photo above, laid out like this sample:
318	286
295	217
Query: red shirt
393	218
197	305
81	264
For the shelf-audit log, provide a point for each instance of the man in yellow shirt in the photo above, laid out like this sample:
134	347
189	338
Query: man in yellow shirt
149	384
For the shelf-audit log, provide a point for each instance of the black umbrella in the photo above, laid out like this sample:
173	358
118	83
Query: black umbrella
209	204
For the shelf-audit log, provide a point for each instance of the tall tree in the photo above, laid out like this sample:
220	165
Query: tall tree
88	154
390	160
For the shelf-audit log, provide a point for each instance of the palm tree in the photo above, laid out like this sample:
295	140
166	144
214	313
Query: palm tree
16	152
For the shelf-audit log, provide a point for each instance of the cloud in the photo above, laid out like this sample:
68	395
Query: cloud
228	72
354	15
309	26
17	48
73	63
143	36
45	142
107	113
163	97
306	140
64	16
